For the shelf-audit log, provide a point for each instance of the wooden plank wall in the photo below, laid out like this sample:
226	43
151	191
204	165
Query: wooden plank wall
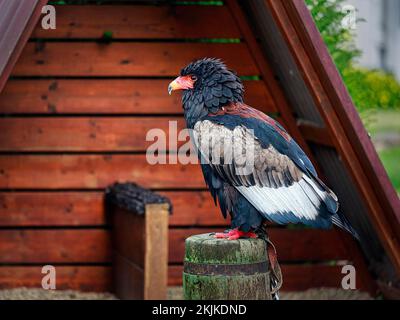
74	119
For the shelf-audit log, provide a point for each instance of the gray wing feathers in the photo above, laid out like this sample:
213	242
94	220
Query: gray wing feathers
269	180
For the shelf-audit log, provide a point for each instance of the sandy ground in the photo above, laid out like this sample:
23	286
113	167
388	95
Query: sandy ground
174	293
40	294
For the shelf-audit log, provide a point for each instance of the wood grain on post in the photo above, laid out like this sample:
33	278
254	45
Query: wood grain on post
140	242
219	269
156	251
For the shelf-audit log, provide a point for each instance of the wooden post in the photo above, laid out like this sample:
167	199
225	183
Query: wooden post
219	269
139	221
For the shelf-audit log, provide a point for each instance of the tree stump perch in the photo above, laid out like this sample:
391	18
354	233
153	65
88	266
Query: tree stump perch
220	269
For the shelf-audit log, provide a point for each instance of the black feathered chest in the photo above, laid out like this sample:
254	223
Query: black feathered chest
210	94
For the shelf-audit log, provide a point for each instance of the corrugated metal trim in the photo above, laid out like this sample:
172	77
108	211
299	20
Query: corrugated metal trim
283	63
297	92
351	204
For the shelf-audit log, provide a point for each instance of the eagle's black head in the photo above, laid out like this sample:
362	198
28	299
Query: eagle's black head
207	86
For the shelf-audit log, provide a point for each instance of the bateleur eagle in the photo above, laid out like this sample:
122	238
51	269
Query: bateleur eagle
266	175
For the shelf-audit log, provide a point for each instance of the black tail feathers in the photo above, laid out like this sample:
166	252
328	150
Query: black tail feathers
341	221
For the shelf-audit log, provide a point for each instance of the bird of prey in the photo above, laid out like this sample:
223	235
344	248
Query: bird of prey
253	168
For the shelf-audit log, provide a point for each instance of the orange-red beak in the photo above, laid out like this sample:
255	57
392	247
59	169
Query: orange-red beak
180	83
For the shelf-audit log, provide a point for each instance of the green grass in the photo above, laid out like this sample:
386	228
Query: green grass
382	122
391	161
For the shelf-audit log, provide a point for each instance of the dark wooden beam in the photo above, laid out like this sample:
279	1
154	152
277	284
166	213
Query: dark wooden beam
17	21
267	74
340	116
315	134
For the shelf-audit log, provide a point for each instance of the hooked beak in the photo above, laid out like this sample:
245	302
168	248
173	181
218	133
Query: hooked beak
180	83
173	86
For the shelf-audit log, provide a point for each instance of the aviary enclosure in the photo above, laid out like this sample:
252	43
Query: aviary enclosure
78	101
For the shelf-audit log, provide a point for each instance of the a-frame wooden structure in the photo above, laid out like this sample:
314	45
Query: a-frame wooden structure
77	105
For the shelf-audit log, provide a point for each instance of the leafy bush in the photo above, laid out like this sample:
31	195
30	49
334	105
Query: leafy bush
370	89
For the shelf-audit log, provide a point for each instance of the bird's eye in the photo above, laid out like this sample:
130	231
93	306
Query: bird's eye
193	77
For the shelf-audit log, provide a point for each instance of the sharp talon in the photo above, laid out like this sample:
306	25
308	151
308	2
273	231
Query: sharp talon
221	235
235	234
234	237
252	235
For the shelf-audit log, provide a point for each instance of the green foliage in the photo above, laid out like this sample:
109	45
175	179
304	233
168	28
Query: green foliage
218	40
107	35
370	89
328	17
200	3
390	158
254	78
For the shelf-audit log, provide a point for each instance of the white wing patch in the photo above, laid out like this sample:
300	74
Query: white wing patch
280	190
302	199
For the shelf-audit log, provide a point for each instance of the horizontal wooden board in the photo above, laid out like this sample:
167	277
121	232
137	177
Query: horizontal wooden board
296	277
89	134
55	246
194	209
82	278
98	278
95	134
291	245
126	96
190	208
316	134
126	59
154	22
93	171
52	209
66	245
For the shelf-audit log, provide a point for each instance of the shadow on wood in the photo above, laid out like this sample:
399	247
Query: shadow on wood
139	220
